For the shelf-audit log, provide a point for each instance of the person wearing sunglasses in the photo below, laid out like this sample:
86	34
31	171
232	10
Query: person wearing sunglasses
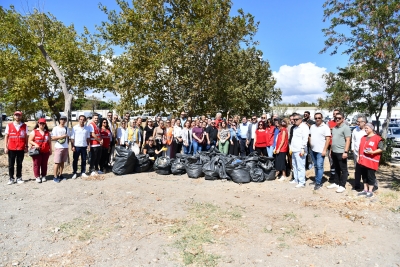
251	133
298	146
341	135
234	146
260	139
60	134
281	150
105	134
356	136
211	135
122	134
16	144
270	130
80	145
331	124
40	139
320	137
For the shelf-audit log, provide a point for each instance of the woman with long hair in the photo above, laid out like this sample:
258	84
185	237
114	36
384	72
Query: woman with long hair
105	134
281	149
40	139
159	135
234	146
260	139
198	137
187	138
169	133
270	129
224	135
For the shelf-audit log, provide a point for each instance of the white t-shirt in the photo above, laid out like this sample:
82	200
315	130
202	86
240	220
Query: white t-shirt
318	136
59	131
80	135
122	134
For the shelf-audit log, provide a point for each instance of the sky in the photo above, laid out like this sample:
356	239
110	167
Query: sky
289	34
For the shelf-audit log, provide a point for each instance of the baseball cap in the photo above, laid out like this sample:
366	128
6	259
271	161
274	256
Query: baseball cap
42	120
18	113
63	117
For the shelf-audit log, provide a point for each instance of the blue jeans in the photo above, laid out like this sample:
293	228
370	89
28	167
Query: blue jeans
299	167
196	147
212	143
186	149
270	151
318	160
82	152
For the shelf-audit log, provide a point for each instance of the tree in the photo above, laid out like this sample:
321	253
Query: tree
188	55
53	59
371	39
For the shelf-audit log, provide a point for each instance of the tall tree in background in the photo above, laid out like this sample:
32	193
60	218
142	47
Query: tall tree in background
371	39
54	62
188	55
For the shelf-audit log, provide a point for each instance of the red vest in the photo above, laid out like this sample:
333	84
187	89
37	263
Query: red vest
105	135
331	124
42	140
261	138
285	146
368	160
270	135
16	139
97	133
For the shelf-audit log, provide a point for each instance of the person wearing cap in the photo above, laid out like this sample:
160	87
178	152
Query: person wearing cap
16	144
60	134
40	139
80	144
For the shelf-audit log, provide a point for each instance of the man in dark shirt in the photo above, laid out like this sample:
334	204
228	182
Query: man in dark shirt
211	135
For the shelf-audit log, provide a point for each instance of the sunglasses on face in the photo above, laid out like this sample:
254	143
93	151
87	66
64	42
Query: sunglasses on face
260	125
338	118
263	118
318	118
296	119
253	118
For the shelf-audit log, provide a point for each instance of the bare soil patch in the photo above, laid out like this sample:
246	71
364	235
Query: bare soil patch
152	220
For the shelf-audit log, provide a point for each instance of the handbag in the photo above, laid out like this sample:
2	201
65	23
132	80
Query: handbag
33	152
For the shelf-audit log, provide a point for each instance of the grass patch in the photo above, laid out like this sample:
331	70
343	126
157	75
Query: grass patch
290	216
396	185
204	225
83	229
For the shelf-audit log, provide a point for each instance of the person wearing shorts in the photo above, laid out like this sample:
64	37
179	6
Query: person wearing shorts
60	135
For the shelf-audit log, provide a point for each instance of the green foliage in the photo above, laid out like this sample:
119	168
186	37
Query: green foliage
368	31
188	55
386	156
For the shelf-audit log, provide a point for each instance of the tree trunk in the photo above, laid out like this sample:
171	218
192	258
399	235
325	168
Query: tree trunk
377	116
67	95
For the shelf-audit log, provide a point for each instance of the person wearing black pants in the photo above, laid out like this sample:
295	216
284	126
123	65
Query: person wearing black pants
341	171
15	156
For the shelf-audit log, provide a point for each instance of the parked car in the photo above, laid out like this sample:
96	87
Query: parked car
9	118
394	133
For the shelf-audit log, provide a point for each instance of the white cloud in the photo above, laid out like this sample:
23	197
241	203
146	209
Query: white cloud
302	82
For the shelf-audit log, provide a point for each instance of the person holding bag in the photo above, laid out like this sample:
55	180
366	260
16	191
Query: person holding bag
40	140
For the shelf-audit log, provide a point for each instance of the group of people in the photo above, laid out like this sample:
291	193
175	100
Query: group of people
288	140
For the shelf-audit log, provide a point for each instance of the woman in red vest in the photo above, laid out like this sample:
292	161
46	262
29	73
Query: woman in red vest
105	134
269	129
281	149
260	139
370	152
40	139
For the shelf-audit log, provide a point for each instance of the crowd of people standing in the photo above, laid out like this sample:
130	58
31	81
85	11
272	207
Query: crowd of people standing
288	140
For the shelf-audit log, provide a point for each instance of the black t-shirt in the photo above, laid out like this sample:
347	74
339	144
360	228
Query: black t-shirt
212	133
150	150
149	132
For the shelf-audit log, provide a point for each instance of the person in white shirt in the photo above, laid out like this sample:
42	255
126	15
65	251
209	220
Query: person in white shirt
320	136
242	133
60	134
298	146
251	130
356	136
122	134
80	144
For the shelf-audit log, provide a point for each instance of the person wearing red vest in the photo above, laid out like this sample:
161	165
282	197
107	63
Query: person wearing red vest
106	136
281	149
40	139
95	145
370	152
16	144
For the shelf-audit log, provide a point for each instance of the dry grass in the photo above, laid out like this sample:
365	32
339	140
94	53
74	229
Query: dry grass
94	178
320	239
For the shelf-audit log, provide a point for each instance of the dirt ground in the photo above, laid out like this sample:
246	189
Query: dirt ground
152	220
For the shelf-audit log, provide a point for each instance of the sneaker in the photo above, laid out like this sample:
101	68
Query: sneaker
283	178
293	181
11	181
84	175
56	179
74	176
38	180
94	173
341	189
44	179
299	186
362	193
100	172
317	187
332	186
369	194
20	181
312	183
62	178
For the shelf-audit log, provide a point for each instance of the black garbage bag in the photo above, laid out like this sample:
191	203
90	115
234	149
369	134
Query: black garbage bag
257	175
241	174
143	163
194	170
222	170
162	165
211	169
269	175
177	167
182	157
192	159
251	161
204	156
124	161
266	163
